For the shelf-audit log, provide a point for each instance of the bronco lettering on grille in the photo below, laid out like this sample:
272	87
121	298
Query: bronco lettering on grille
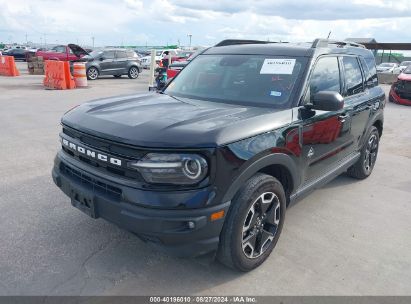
90	153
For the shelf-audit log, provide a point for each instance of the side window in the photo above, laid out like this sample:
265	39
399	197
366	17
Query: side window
368	77
60	49
121	54
353	76
370	61
131	54
108	55
325	77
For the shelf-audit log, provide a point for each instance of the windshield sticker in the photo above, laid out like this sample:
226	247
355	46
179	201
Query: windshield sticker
275	93
277	66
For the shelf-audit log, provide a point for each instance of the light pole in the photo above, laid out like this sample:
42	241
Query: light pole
189	36
92	38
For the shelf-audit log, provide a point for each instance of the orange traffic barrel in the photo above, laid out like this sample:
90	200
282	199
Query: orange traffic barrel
79	74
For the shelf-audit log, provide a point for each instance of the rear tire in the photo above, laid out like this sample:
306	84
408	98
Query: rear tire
133	72
365	164
253	224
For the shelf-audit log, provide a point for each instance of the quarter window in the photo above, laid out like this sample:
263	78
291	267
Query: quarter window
353	76
325	77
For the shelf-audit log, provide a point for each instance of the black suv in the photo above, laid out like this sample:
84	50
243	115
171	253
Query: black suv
211	163
116	62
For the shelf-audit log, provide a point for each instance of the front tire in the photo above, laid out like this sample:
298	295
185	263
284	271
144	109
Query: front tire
133	72
92	73
365	164
253	224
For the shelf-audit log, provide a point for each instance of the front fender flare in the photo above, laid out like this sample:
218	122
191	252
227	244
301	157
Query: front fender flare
256	166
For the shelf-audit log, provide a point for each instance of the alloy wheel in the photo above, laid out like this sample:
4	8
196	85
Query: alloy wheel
133	73
261	225
92	73
371	153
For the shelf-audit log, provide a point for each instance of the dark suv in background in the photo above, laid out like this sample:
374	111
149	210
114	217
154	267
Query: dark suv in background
211	163
116	62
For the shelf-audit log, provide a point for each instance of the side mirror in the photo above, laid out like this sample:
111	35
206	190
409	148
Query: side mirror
102	58
327	101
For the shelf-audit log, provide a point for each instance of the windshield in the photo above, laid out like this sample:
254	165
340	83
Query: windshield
407	70
405	63
387	65
159	53
243	79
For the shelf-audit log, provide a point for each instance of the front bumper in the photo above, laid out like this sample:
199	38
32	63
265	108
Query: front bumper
182	232
397	99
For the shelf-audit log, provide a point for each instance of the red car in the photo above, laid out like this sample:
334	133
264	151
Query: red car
69	52
401	90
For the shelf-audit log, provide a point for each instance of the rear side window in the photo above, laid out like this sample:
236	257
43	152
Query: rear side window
325	77
353	76
121	54
368	77
370	62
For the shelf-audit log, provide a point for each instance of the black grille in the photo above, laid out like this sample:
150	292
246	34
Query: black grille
403	89
105	145
129	153
90	182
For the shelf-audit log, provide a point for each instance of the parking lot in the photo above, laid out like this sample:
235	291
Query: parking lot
348	238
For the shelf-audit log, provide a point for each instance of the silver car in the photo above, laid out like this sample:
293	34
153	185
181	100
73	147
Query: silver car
116	62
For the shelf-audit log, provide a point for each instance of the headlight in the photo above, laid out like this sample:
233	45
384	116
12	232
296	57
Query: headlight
181	169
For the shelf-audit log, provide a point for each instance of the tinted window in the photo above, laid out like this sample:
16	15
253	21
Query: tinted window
121	54
249	79
108	55
370	62
369	78
353	76
131	54
325	77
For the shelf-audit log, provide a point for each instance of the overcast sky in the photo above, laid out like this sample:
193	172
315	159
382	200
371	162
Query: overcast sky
159	22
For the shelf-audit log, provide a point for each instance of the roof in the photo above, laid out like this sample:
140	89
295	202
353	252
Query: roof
362	40
318	47
388	46
289	49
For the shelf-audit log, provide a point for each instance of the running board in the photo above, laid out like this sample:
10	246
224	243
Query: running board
321	181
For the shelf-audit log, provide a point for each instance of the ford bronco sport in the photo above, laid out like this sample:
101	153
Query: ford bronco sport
211	163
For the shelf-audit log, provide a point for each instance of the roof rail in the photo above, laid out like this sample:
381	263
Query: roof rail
320	42
241	41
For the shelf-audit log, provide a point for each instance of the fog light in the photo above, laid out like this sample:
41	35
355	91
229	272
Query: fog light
191	225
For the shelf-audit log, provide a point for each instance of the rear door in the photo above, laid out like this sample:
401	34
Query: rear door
107	64
121	62
356	97
326	135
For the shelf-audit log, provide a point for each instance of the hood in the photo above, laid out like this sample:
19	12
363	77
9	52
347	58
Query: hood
384	68
77	50
161	121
